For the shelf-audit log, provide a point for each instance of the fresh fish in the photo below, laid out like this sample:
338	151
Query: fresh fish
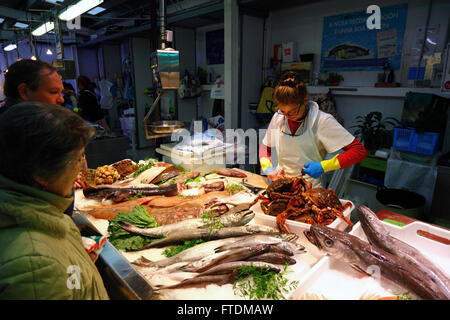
288	247
380	237
207	234
273	257
229	219
236	254
198	252
144	177
226	268
110	211
362	256
258	239
201	282
215	186
168	173
230	173
120	194
182	178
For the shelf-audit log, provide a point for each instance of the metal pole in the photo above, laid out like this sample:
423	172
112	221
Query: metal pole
162	20
424	38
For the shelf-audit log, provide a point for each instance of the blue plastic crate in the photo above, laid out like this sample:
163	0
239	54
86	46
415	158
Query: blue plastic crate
403	139
425	143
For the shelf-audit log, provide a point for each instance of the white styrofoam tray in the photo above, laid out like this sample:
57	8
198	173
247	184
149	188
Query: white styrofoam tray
304	263
336	280
338	223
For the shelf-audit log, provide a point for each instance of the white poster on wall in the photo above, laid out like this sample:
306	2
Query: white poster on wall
387	43
218	89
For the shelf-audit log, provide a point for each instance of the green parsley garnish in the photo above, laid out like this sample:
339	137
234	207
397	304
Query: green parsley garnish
137	196
402	296
211	220
235	188
262	283
187	244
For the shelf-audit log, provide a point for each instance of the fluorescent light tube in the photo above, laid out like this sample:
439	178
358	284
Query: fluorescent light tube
20	25
71	12
96	10
43	29
10	47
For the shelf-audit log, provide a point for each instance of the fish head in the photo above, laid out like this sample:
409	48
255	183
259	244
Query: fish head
370	222
333	242
240	218
367	215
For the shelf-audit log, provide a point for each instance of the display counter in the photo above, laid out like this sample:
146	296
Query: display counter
121	280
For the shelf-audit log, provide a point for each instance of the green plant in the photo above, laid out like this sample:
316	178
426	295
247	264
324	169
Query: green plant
372	130
333	78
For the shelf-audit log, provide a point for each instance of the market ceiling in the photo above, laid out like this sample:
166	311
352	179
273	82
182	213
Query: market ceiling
115	19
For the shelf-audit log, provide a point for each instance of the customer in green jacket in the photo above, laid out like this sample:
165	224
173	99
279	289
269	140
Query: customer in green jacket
42	255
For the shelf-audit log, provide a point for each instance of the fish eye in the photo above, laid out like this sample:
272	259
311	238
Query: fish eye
328	242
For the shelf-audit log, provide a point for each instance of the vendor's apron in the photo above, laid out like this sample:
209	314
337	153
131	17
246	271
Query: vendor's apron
295	151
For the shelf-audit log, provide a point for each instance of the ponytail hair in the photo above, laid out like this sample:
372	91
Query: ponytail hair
290	89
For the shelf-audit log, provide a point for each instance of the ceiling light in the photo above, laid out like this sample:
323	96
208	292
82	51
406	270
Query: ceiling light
43	29
10	47
33	58
1	20
71	12
54	1
20	25
49	52
96	10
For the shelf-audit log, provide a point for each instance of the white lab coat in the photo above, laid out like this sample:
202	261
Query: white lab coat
318	135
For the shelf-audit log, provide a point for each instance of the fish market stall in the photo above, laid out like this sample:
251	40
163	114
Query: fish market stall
225	234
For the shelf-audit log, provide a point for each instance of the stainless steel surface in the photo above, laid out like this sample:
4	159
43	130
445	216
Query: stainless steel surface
168	126
121	280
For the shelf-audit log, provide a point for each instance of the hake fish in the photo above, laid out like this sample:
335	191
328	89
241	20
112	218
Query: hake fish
229	219
274	258
361	255
258	239
380	237
236	254
209	248
207	234
201	282
229	267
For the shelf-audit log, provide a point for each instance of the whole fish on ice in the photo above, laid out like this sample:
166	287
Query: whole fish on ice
361	255
380	237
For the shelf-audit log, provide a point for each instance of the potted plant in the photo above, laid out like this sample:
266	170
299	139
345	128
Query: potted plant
372	130
334	79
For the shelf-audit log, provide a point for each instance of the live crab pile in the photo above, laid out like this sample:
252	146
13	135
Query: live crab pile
295	199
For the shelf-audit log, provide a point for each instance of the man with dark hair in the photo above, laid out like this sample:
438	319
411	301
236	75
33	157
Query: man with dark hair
32	80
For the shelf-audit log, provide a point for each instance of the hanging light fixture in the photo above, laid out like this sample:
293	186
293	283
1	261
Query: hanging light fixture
10	47
43	29
82	6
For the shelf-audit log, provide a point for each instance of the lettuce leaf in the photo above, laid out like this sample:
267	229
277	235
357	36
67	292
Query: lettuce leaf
123	240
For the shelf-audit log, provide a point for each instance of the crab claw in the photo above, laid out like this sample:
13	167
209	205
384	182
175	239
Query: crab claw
281	222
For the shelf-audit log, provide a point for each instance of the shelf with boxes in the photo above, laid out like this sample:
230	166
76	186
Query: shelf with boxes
399	92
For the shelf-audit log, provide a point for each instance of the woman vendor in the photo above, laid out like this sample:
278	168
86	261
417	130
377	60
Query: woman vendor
303	135
42	254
